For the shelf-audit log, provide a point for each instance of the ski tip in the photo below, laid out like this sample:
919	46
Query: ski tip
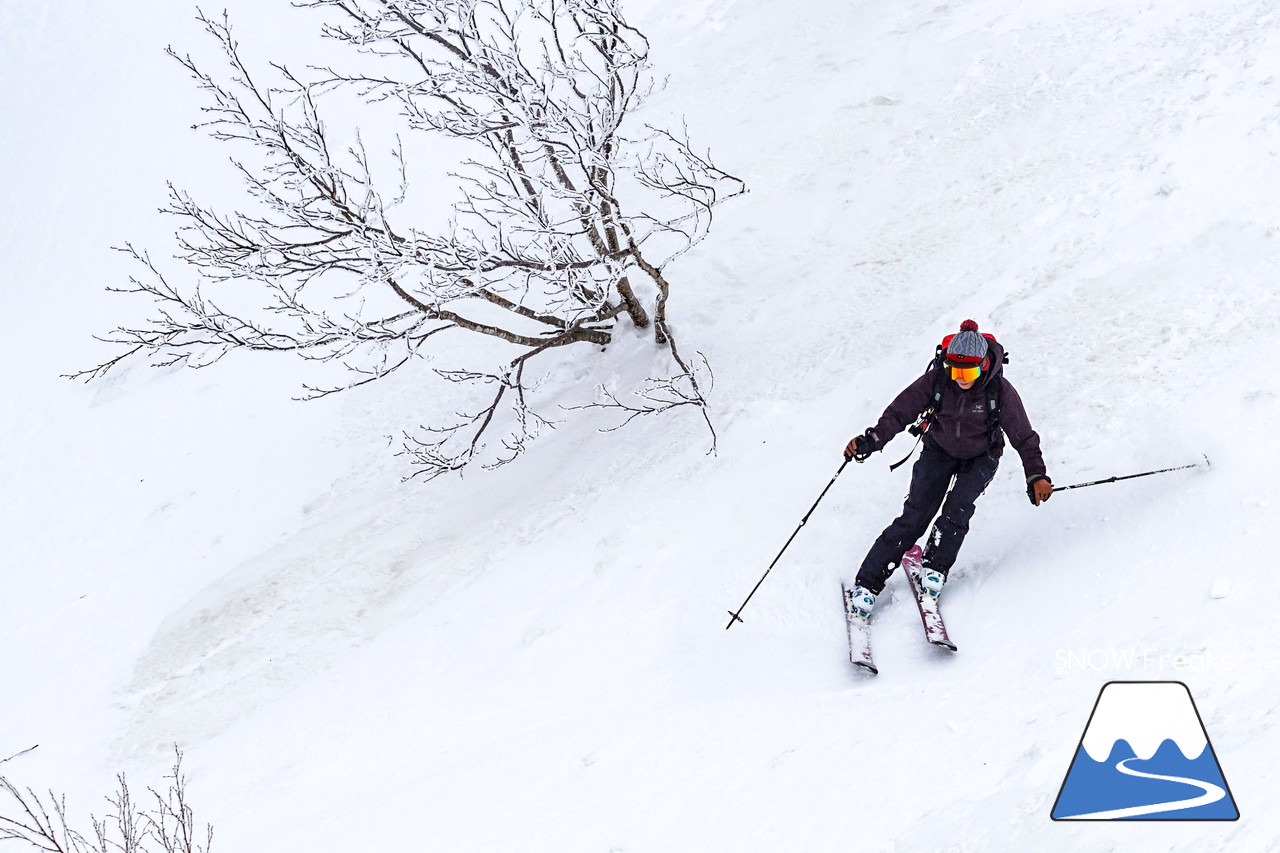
944	644
866	667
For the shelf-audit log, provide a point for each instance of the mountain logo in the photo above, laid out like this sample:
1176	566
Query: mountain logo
1145	755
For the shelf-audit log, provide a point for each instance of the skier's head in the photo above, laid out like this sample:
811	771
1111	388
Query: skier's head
966	357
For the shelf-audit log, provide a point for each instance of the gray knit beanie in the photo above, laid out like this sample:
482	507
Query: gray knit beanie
967	346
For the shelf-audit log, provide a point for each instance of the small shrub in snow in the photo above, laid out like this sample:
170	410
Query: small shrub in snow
164	823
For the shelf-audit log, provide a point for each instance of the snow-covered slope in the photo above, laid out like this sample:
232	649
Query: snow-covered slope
536	658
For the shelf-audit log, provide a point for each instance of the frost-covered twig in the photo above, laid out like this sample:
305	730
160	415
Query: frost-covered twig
661	395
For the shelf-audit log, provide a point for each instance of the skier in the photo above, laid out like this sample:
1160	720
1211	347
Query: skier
962	447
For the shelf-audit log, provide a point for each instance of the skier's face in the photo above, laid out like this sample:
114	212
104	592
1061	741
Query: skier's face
965	386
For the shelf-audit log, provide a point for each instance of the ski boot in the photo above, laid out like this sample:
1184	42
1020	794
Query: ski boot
931	581
860	601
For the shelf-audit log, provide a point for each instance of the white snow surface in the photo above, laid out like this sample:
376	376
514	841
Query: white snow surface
536	658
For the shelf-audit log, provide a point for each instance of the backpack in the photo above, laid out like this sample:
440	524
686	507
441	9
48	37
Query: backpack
922	424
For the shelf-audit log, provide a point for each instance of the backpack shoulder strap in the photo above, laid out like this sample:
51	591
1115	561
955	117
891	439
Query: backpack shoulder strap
994	388
935	396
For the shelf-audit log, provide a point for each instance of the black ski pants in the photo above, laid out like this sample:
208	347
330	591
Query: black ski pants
937	480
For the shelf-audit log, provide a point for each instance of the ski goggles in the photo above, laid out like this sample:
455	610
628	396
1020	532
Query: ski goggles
964	374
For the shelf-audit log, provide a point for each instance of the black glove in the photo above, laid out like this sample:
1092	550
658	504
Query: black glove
1039	495
861	448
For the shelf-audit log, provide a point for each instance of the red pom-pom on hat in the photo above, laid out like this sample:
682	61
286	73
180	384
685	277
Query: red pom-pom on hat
969	326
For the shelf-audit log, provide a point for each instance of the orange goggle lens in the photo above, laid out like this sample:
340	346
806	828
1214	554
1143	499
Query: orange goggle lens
965	374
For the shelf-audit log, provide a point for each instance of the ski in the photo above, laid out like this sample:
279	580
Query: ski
859	634
935	631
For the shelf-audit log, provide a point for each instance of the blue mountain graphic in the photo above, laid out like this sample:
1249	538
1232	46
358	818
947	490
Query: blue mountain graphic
1096	786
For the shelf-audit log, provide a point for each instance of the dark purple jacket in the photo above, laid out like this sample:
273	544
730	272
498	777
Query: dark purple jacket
960	422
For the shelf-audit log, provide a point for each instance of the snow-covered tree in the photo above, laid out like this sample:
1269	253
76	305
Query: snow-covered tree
567	217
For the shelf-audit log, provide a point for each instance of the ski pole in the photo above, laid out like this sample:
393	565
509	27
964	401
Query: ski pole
735	615
1131	476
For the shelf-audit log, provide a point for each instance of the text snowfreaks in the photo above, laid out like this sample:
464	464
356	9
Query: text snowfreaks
1147	660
